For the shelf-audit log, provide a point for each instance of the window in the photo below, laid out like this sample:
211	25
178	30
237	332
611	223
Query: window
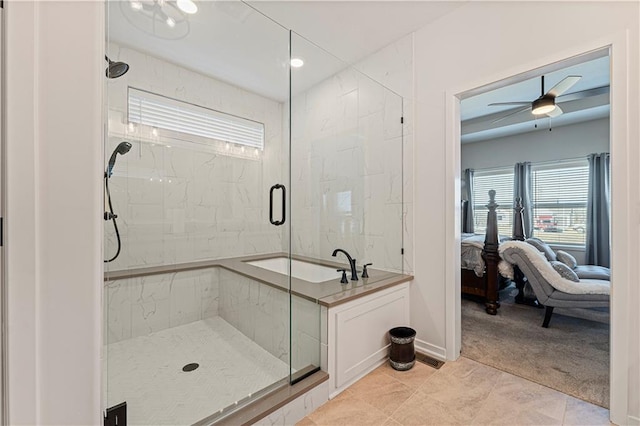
500	180
560	201
160	112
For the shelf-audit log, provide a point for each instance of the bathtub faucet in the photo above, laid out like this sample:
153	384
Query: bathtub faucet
352	263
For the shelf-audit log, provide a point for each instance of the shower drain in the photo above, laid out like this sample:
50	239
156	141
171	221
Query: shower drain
190	367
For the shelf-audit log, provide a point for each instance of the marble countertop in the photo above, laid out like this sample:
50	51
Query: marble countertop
328	293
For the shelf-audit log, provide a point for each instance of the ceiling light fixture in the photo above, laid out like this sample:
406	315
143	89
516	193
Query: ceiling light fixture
297	62
187	6
543	105
160	18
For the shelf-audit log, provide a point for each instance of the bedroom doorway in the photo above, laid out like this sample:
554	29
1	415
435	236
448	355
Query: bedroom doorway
547	159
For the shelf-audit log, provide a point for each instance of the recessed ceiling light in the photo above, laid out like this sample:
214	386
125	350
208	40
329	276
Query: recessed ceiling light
297	62
171	22
187	6
136	5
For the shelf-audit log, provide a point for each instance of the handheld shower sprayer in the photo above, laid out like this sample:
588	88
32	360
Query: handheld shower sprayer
122	149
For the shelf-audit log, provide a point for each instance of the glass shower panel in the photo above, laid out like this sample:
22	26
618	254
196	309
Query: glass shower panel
191	330
346	190
346	177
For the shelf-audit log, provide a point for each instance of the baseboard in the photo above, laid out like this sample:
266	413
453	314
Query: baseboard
633	420
433	351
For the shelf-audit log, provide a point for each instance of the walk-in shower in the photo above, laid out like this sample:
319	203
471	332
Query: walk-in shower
215	119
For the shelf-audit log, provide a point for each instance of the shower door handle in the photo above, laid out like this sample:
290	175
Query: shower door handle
284	204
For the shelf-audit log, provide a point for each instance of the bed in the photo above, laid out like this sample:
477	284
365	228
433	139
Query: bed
482	275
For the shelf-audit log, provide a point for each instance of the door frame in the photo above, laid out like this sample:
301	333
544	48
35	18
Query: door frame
623	202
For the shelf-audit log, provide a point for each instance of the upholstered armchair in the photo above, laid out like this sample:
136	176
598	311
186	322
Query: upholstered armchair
554	283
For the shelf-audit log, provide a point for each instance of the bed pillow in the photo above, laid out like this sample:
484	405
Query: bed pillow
567	259
543	247
564	271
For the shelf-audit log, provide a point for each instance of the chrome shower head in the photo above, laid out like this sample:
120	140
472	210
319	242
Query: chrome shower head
116	69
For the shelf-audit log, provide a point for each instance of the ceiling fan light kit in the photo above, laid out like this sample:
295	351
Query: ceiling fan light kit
546	103
543	106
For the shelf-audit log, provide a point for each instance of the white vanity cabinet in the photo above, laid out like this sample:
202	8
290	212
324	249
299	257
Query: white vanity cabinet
357	334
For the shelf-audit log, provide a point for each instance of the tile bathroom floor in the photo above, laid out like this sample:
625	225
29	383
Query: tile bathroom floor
463	392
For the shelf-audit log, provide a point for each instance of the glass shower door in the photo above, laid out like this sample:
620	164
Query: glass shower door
193	330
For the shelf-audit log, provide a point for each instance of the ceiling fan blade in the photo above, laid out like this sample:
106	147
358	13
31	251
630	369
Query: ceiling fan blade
583	94
564	85
510	103
556	112
518	111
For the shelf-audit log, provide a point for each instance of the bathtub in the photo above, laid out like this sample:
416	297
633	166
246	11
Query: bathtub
306	271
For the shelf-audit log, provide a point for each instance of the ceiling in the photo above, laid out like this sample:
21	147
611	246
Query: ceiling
478	118
233	42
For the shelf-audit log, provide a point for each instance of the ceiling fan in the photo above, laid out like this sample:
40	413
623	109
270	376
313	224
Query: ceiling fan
546	103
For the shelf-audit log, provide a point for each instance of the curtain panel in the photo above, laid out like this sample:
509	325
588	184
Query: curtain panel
523	188
598	211
468	225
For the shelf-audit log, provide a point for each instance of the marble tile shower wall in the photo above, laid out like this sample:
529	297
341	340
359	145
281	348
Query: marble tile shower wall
347	171
178	202
140	306
262	312
393	66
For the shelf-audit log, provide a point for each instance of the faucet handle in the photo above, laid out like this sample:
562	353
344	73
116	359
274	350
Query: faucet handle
365	274
344	279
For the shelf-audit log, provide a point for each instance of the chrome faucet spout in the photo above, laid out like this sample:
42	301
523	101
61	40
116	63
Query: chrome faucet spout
352	263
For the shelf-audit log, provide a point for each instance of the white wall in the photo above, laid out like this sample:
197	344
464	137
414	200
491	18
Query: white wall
54	75
566	142
480	43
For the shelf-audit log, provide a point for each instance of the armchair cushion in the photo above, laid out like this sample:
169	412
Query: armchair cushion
565	271
567	259
593	272
543	247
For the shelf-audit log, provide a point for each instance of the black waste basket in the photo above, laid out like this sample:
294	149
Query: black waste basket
403	355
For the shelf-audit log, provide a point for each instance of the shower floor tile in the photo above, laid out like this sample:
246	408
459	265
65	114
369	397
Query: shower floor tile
146	372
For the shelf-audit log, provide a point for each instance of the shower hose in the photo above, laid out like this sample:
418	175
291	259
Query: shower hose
110	215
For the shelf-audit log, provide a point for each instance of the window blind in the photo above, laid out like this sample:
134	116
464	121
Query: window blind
500	180
560	192
162	112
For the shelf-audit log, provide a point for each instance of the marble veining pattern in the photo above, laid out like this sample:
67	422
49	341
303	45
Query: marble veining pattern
346	166
266	314
140	306
146	372
181	201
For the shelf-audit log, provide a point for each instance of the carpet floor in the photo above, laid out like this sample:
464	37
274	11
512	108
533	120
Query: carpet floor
571	356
